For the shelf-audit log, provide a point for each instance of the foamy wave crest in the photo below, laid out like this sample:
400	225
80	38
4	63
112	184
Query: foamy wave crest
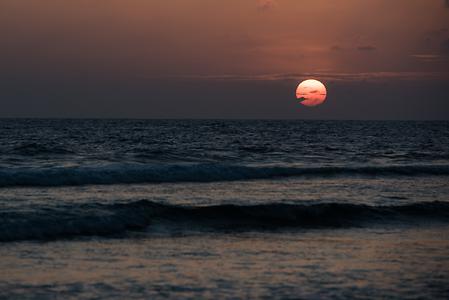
118	220
140	173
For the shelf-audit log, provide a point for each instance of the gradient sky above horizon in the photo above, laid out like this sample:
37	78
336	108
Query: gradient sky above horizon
379	59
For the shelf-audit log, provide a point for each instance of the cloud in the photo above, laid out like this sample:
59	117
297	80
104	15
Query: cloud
427	57
325	76
266	4
445	46
366	48
435	34
438	32
336	48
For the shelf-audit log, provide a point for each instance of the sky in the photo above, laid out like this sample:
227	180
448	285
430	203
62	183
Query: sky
379	59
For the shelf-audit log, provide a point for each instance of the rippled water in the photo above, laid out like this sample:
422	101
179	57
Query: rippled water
224	209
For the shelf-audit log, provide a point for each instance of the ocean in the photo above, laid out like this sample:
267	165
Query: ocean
223	209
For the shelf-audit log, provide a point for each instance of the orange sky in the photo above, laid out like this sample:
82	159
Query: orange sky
129	40
203	37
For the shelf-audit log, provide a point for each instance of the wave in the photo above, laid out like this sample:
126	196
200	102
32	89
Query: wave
144	173
117	220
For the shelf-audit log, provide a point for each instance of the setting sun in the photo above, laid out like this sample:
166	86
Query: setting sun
311	92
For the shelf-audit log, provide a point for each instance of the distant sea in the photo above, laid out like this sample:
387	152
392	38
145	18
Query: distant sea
216	209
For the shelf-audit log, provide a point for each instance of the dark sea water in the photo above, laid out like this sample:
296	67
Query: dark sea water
124	209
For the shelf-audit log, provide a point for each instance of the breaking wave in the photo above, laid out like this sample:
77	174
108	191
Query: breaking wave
118	220
143	173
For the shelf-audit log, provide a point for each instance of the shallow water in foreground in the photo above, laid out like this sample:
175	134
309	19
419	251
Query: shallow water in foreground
223	209
324	264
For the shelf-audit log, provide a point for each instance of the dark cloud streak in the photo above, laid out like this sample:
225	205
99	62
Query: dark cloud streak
445	46
366	48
